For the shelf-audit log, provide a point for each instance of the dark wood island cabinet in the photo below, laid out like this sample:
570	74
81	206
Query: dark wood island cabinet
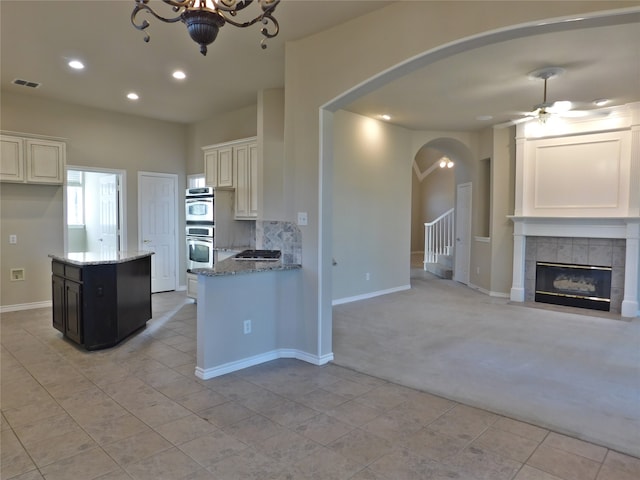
100	299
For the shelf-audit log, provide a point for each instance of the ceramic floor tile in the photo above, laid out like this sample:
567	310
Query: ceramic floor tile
137	447
361	447
211	448
114	429
354	413
226	414
521	429
404	465
170	464
14	459
138	405
480	464
288	447
45	429
609	473
529	473
325	464
565	465
63	446
464	422
201	399
86	465
507	444
161	412
434	445
185	429
254	429
623	462
573	445
323	429
246	465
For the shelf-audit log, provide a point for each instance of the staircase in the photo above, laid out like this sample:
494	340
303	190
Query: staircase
438	245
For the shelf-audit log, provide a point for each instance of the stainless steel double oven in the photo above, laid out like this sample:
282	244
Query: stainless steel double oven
200	228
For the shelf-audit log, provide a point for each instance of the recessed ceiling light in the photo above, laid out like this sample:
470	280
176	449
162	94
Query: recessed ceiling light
385	117
132	96
601	102
484	118
179	75
76	64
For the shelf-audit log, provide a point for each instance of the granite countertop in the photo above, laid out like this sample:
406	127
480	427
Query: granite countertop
231	266
98	258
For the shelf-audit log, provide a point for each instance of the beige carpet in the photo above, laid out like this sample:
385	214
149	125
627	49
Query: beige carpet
574	373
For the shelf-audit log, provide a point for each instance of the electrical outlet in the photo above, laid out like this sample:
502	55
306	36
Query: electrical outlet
367	276
13	239
303	218
17	274
247	327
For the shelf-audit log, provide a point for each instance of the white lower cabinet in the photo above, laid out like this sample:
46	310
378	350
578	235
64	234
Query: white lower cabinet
192	285
32	160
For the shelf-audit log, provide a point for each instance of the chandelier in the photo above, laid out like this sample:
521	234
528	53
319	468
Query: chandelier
204	18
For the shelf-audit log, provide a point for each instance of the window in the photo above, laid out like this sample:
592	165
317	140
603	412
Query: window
75	198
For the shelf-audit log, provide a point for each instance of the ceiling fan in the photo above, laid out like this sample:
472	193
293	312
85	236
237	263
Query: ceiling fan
545	110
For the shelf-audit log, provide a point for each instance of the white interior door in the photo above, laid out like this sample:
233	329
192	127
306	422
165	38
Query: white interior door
463	233
108	213
157	220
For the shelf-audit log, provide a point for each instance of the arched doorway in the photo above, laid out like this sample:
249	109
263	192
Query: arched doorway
441	207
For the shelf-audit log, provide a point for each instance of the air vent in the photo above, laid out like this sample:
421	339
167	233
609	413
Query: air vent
26	83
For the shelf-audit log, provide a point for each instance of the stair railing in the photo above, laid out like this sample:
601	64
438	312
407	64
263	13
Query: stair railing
438	237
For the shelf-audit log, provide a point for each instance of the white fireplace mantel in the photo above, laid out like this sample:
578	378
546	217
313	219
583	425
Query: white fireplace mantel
627	228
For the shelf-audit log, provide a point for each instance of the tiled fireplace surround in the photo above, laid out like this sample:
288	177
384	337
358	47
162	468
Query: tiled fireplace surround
606	252
613	242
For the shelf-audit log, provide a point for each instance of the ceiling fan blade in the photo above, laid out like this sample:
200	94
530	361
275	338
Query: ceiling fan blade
512	122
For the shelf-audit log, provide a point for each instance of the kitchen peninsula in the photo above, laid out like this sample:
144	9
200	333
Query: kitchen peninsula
247	314
99	299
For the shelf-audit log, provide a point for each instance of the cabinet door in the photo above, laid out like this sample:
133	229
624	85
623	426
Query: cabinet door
211	168
241	162
225	167
11	159
253	181
73	310
44	161
57	297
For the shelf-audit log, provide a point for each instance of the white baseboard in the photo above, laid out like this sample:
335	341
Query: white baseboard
364	296
208	373
25	306
488	292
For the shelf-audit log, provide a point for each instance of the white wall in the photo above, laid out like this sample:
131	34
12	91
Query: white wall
95	138
371	205
321	69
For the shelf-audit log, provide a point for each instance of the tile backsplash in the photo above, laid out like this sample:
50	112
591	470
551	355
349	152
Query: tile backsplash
283	236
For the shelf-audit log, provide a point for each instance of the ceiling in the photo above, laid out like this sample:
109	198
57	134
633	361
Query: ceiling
38	37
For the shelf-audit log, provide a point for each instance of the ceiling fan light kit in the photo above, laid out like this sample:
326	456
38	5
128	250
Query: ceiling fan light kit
204	18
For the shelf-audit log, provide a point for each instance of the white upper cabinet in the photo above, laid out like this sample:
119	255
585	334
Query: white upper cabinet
218	166
32	160
235	164
246	162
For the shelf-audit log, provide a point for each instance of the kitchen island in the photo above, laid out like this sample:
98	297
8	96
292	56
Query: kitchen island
247	314
99	299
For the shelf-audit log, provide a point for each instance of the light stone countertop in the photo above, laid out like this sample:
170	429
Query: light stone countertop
231	266
98	258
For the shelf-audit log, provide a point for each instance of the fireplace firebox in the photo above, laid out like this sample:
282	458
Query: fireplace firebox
583	286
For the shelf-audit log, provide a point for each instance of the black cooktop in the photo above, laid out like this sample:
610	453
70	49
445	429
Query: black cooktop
261	255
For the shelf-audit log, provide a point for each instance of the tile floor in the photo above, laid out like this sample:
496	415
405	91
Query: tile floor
137	411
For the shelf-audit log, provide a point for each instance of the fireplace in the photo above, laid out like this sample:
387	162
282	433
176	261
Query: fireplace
583	286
